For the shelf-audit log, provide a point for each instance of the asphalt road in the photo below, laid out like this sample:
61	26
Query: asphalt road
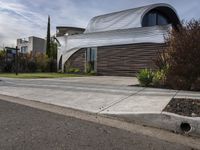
25	128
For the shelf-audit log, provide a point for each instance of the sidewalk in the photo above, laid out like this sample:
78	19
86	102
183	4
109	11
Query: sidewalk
114	98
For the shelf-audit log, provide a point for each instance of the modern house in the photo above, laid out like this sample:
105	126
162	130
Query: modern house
119	43
31	45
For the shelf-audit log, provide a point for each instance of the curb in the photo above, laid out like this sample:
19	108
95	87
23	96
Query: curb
164	120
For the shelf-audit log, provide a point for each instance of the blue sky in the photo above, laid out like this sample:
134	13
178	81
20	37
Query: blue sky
23	18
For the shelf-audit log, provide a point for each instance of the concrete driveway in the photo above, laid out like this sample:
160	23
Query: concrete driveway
109	96
92	94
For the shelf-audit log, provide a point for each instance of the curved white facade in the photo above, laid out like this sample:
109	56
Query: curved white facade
131	18
119	28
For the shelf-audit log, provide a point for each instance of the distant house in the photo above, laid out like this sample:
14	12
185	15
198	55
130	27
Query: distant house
10	53
119	43
31	45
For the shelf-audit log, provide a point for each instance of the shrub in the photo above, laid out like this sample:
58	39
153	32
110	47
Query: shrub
32	67
159	78
41	61
183	48
88	68
51	65
92	73
145	77
28	63
161	60
196	85
9	67
2	60
73	70
67	66
76	70
70	70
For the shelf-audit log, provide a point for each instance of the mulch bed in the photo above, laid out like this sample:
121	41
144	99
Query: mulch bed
184	107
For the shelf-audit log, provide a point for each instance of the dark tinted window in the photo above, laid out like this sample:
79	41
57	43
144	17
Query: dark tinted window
154	18
162	20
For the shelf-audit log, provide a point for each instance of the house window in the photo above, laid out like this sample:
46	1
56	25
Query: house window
24	49
91	59
154	18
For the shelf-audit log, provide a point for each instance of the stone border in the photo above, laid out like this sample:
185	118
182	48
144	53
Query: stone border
163	120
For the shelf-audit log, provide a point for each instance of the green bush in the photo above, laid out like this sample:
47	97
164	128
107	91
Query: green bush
92	73
76	70
41	61
51	65
73	70
9	67
32	67
159	78
145	77
28	63
88	68
70	70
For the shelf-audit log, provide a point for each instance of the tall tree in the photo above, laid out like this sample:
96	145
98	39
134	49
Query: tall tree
48	44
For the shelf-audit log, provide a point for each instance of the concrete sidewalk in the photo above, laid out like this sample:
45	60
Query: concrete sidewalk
107	96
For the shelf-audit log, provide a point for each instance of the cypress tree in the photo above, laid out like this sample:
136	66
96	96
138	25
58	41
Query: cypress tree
48	44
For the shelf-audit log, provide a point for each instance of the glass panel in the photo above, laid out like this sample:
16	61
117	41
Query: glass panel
91	56
152	19
145	21
162	20
88	55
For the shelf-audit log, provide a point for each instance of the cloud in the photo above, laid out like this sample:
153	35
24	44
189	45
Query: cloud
23	18
17	21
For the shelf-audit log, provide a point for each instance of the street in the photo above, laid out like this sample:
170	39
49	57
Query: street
26	128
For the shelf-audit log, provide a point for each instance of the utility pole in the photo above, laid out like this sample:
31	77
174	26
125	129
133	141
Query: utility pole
16	61
48	44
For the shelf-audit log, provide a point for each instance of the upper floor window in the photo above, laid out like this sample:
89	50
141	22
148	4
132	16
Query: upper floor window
154	18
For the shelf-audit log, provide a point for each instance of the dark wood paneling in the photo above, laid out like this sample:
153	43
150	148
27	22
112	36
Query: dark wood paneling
126	60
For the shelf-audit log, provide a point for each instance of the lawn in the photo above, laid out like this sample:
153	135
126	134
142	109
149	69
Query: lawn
38	75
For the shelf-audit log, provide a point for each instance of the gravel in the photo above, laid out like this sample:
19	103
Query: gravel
184	107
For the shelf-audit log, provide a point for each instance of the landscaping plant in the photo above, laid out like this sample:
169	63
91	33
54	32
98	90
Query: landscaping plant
159	78
145	77
183	49
73	70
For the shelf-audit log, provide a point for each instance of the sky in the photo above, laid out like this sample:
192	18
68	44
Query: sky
23	18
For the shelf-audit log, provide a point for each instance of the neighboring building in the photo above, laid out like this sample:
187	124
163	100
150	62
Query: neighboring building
120	43
31	44
10	53
62	30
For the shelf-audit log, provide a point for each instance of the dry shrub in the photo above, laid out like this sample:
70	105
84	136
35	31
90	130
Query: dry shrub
183	49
